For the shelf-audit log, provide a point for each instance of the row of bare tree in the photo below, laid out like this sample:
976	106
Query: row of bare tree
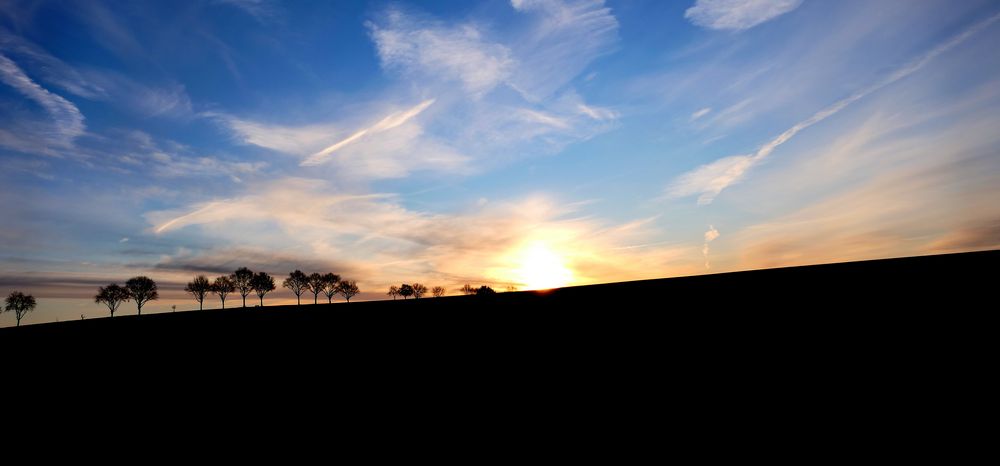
244	281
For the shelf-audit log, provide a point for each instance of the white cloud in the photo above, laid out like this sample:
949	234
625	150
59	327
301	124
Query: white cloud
67	121
455	53
597	113
711	179
737	14
710	236
295	140
700	113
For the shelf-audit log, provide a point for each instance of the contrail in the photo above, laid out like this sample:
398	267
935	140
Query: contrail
387	123
160	228
711	179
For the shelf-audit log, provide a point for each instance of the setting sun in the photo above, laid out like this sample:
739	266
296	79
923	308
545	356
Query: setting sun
541	268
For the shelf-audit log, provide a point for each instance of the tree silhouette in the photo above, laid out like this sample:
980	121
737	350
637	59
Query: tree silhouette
298	282
199	288
331	286
316	285
485	291
142	290
405	291
262	283
419	290
223	286
241	279
348	288
438	291
467	289
20	303
112	296
393	291
511	288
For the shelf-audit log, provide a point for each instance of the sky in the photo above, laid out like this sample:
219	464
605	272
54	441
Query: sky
524	143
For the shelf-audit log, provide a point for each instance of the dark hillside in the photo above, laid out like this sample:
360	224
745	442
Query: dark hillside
821	295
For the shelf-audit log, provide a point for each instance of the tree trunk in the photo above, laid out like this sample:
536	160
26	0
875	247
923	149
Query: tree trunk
140	308
315	298
261	301
244	301
201	305
223	303
298	300
18	322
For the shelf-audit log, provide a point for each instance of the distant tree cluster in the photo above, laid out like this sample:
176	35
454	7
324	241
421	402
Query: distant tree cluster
140	289
483	290
416	290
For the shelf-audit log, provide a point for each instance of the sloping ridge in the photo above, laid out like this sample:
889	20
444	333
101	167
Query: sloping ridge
943	282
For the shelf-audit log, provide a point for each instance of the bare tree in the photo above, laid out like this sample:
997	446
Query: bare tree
405	291
298	282
393	291
316	285
331	286
20	303
241	279
199	288
223	286
419	290
262	284
438	291
485	291
348	288
467	289
142	290
112	296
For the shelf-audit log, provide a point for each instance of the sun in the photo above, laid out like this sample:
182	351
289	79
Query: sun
541	268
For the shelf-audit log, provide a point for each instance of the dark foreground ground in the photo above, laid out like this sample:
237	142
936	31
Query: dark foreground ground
812	300
844	344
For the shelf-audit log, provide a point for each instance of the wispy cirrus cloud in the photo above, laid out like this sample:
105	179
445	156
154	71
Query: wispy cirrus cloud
560	41
429	48
137	151
66	122
737	14
143	98
49	68
465	122
262	10
394	146
711	179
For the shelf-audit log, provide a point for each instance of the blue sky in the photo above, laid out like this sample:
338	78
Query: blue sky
524	143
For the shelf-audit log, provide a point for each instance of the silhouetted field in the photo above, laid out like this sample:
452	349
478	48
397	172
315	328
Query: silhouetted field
817	297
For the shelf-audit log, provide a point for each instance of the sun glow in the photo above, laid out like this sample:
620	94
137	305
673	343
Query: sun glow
541	268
